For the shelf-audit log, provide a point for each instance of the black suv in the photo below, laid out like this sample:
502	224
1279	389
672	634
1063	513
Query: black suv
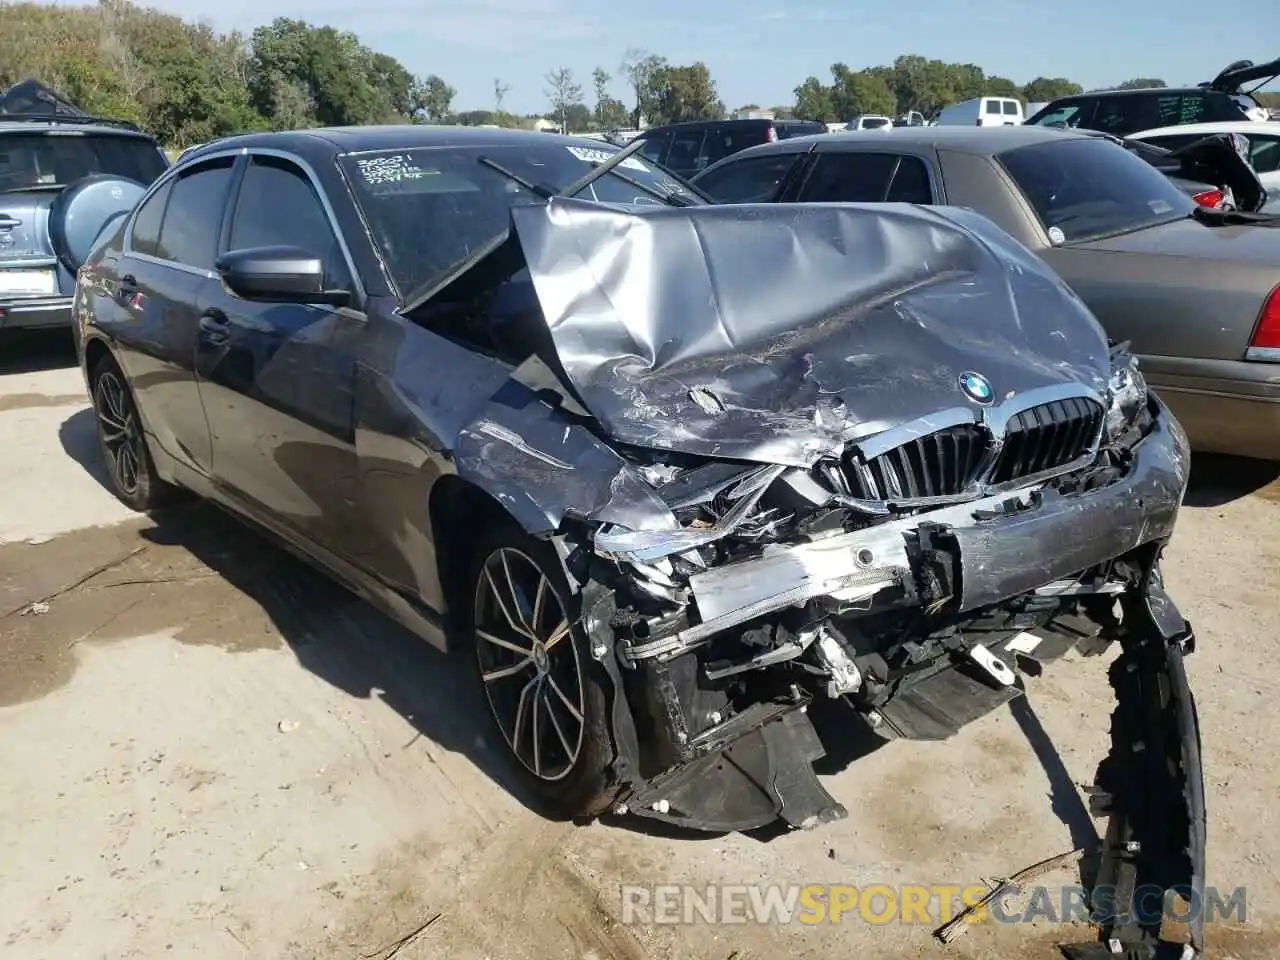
688	148
1125	112
64	176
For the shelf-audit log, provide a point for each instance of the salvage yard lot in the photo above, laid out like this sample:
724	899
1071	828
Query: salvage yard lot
211	751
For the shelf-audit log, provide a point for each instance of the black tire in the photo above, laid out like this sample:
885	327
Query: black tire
122	441
512	670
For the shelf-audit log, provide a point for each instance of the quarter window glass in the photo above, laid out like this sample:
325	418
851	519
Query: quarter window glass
278	206
1010	108
911	183
193	216
850	178
753	180
146	225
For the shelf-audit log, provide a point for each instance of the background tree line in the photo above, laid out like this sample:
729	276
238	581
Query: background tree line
187	83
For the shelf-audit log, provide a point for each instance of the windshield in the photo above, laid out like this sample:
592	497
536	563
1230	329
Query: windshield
407	196
1086	188
56	159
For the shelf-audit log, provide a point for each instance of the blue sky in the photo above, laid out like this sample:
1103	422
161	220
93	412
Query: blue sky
759	50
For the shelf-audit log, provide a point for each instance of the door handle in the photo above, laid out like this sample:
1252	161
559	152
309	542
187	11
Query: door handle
7	222
213	327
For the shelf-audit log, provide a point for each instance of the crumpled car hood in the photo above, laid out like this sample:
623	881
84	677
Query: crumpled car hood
778	333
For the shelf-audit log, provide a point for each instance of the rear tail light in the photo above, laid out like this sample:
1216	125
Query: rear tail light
772	135
1209	198
978	122
1265	342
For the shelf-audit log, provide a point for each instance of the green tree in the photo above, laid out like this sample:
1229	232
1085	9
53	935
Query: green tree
1045	89
564	92
862	92
1141	83
433	99
813	102
1002	87
683	93
610	112
639	67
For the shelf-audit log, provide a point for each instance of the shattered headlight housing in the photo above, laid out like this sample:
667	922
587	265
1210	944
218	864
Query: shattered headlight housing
1128	392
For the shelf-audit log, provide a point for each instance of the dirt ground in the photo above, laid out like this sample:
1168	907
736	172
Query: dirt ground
210	751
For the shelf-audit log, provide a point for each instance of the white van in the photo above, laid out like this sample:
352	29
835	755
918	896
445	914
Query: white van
983	112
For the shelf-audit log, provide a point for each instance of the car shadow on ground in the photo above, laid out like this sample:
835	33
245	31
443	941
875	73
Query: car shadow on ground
36	351
1217	480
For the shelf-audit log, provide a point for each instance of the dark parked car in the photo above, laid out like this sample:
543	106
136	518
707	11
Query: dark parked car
686	148
525	393
63	176
1125	112
1194	291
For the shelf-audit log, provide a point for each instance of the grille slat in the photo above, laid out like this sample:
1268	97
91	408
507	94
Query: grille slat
940	464
1047	436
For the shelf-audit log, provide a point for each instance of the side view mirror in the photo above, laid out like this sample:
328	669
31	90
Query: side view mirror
277	275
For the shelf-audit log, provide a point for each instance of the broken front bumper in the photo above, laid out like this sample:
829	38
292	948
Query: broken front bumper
755	766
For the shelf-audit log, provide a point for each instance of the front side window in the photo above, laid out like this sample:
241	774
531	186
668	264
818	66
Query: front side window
430	208
278	206
1011	108
1088	187
193	215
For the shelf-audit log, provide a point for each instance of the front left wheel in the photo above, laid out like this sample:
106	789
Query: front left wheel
534	663
120	438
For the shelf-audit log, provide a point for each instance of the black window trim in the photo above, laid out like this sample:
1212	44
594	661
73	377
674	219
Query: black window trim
171	176
802	177
241	157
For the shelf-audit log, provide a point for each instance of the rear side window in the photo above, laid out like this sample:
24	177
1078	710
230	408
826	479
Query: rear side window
685	148
1066	113
59	159
850	178
146	225
193	216
1011	108
992	106
788	130
751	180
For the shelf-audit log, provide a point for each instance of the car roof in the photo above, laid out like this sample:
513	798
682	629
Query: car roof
403	136
16	125
1221	126
984	141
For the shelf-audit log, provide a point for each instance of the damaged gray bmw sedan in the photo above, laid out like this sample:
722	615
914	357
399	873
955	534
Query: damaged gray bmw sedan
667	471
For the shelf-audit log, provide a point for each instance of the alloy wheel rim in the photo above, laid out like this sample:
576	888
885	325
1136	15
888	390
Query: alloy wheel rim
118	431
529	664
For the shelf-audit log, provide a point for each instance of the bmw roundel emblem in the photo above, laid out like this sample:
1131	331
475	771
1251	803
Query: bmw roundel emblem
976	387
